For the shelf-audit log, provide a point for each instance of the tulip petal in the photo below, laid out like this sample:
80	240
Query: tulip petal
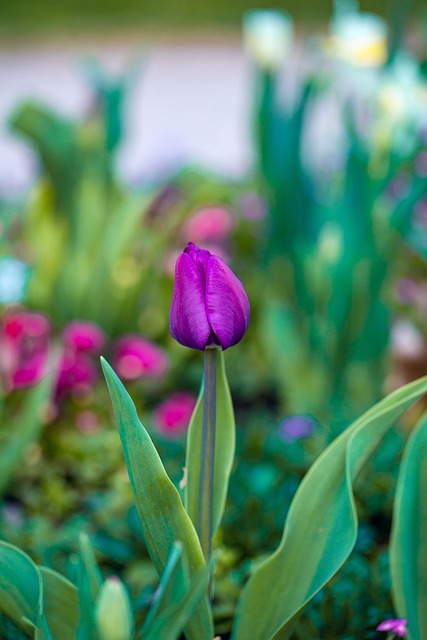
227	304
188	320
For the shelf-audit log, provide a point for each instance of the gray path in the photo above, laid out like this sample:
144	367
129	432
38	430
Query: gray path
190	102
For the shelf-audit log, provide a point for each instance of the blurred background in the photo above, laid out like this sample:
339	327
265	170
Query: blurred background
290	139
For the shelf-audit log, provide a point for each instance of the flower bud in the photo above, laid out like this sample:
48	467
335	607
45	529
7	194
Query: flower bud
209	304
114	618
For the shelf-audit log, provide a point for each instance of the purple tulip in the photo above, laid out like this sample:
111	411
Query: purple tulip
209	304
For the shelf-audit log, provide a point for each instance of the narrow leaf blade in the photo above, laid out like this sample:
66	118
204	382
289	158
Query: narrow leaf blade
408	549
161	512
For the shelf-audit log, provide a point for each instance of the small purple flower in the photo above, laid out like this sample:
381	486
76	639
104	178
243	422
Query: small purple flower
209	304
296	427
84	336
136	357
398	626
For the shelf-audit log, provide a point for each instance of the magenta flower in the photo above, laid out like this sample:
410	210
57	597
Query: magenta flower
84	336
209	304
77	374
24	344
136	357
173	415
398	626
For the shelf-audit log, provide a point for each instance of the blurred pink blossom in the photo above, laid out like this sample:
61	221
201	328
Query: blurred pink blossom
210	224
136	357
173	415
398	626
84	336
77	374
24	344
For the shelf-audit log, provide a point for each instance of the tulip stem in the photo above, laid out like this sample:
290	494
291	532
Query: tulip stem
207	453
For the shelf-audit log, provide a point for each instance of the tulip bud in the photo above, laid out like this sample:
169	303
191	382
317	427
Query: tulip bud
209	304
114	619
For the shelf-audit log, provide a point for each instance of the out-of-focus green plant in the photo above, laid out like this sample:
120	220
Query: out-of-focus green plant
332	234
47	606
88	237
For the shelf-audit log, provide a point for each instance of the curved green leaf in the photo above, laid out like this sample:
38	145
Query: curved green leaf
225	440
321	526
61	605
21	591
408	551
161	512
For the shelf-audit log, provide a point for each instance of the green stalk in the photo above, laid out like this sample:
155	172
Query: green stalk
207	454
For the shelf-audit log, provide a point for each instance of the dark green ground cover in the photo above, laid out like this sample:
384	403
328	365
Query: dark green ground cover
25	17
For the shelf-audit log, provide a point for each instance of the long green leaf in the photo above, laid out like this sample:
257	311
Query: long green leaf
61	605
24	431
408	552
225	440
321	526
89	582
169	625
161	512
172	587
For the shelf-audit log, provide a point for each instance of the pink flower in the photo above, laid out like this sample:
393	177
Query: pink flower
84	336
136	357
173	415
210	224
398	626
24	343
77	374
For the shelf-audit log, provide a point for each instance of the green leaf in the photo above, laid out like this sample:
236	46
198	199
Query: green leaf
21	591
169	625
24	431
61	605
161	512
408	551
321	526
225	440
172	587
89	582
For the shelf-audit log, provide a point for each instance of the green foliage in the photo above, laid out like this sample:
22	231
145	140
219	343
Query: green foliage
409	535
321	527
